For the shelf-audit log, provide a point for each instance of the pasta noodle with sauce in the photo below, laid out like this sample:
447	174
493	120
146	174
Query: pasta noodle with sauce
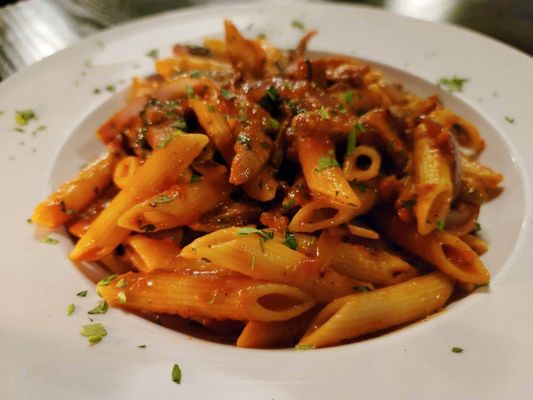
304	197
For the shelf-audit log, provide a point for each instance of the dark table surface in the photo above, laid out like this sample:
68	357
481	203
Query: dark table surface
33	29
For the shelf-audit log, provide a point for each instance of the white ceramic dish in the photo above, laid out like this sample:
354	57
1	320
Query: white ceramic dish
42	354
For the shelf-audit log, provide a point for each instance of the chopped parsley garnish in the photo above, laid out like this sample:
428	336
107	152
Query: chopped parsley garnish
295	107
154	53
190	92
70	309
227	94
94	332
273	123
122	283
142	346
361	288
83	293
248	230
440	224
106	280
164	143
179	124
477	229
352	137
176	374
509	119
196	178
196	74
290	241
164	198
361	186
271	101
453	84
298	24
99	309
24	116
121	297
148	228
244	140
110	88
457	350
48	240
289	204
29	221
341	108
324	113
326	162
360	126
304	347
199	51
348	96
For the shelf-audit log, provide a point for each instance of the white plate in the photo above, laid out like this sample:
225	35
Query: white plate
42	355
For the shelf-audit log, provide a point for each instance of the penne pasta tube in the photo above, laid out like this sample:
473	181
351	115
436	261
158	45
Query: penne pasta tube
206	296
125	171
443	250
480	173
261	187
179	205
322	172
365	155
358	314
270	260
258	334
76	194
376	266
432	177
159	171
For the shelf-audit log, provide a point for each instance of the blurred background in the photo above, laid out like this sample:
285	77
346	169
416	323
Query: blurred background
33	29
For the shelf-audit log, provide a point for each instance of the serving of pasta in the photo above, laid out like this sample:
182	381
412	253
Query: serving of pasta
286	199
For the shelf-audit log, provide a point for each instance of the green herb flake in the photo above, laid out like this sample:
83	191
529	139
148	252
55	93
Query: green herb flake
243	139
121	297
290	241
304	347
477	229
24	116
248	230
273	124
324	113
271	100
341	108
83	293
453	84
196	178
141	346
190	92
99	309
176	374
288	205
227	94
148	228
261	35
298	25
48	240
110	88
457	350
440	224
361	288
360	127
154	53
70	309
352	138
196	74
326	162
122	283
29	221
180	123
94	332
509	119
163	199
348	96
106	280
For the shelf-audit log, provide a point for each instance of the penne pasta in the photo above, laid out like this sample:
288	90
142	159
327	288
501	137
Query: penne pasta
159	171
362	313
125	171
207	296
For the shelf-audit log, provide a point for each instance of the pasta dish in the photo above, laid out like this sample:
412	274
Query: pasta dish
286	199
